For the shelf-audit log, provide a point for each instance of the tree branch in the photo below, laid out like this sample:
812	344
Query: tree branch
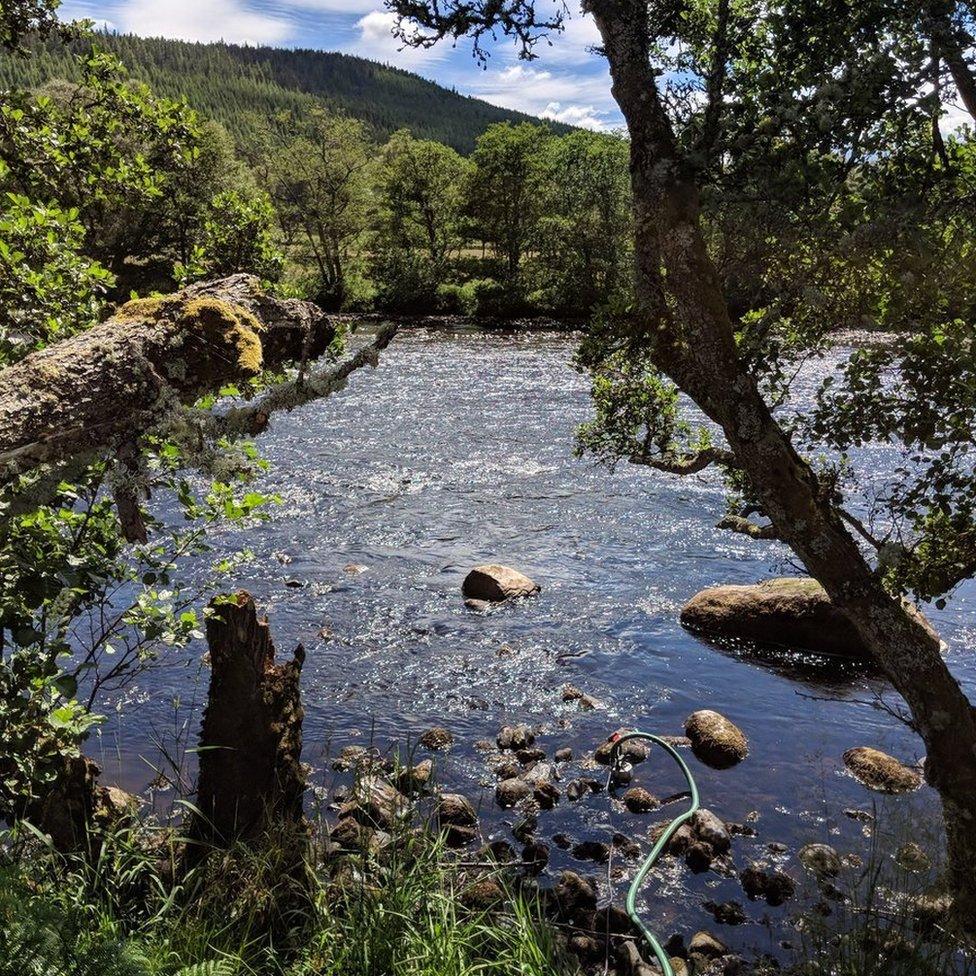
688	463
737	523
253	419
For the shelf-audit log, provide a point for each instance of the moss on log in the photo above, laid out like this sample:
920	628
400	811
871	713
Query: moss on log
99	389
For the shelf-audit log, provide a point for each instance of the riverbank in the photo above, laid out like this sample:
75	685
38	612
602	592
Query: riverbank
450	323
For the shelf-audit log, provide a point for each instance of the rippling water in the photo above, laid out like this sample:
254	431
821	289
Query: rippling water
457	451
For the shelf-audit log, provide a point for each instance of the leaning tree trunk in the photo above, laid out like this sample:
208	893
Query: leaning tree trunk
692	337
251	776
102	388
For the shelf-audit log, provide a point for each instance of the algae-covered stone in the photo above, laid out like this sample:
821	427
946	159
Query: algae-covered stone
715	740
880	772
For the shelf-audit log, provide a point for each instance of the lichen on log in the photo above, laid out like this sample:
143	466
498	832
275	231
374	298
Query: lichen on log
104	387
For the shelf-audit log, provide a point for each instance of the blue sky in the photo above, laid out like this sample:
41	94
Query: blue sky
566	82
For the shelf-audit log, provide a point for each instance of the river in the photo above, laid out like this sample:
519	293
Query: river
458	450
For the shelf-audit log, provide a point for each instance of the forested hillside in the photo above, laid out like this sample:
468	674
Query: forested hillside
237	85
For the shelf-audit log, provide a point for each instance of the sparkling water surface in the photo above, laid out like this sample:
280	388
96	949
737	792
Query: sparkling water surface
458	450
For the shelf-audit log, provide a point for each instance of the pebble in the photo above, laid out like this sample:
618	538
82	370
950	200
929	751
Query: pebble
638	800
437	738
511	791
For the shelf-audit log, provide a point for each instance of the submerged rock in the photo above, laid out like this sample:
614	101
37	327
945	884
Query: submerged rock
375	803
457	820
456	810
726	912
775	886
509	792
535	856
638	800
878	771
633	750
911	857
483	895
591	850
699	856
437	738
574	893
515	737
707	945
715	740
821	860
495	583
587	703
546	795
413	778
711	830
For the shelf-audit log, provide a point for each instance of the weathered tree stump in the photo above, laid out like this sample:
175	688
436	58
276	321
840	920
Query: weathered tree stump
251	738
75	810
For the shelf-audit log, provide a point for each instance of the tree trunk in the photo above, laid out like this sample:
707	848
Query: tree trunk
251	775
692	337
950	47
102	388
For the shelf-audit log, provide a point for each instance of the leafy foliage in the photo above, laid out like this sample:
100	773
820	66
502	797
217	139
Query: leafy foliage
49	288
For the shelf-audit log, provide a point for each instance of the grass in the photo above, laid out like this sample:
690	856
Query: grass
260	911
876	929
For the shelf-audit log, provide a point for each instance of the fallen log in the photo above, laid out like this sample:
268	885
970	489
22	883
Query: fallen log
101	389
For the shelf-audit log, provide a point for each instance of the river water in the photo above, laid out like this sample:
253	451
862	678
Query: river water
458	451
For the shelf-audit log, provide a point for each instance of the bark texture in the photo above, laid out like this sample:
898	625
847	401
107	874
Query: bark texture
251	738
100	389
690	331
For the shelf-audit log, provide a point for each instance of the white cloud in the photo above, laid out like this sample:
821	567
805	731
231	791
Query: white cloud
584	116
201	20
333	6
574	97
574	44
377	41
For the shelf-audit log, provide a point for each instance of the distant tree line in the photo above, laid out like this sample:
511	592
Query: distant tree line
531	223
239	86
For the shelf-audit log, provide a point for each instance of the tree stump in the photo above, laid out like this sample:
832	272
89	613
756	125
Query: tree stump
251	737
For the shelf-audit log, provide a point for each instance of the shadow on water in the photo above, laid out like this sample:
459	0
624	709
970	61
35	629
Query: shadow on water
820	673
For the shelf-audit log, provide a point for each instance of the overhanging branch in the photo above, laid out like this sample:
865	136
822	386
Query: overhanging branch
101	389
687	463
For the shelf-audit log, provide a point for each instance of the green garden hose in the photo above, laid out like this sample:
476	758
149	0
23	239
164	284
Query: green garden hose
618	740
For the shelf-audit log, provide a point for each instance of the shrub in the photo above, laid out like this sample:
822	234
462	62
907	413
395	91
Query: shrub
406	282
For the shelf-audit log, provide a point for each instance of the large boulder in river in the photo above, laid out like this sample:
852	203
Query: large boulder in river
881	772
715	740
790	610
496	583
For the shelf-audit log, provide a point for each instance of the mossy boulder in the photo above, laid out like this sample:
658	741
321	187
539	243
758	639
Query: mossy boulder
880	772
715	740
794	611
